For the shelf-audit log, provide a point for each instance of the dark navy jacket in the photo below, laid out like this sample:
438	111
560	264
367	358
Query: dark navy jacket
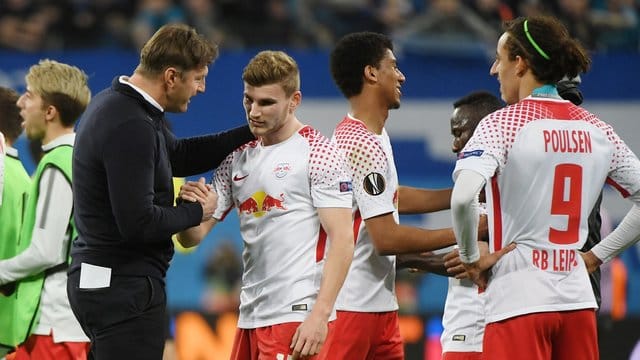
123	163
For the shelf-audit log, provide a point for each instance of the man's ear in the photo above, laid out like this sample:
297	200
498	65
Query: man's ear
296	98
370	73
521	66
170	75
50	113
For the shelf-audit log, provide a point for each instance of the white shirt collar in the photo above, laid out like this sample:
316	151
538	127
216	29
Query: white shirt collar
125	80
11	151
66	139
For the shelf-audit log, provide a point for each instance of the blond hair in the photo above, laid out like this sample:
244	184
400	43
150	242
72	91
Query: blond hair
273	67
62	86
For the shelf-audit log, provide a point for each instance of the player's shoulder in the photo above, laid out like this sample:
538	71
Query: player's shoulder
352	134
527	109
311	134
352	129
316	140
246	146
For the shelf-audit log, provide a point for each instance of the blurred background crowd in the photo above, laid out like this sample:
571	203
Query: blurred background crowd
461	27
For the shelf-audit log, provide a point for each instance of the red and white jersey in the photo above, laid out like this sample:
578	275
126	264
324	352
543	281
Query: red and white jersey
545	161
463	318
276	190
370	283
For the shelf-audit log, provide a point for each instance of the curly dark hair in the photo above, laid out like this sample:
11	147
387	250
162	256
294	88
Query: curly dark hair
352	54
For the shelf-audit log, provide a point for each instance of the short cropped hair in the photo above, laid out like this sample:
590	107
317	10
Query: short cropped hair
352	54
62	86
548	36
10	119
480	103
273	67
176	45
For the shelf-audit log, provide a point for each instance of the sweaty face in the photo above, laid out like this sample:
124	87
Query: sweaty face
391	79
33	113
268	111
462	128
187	84
506	72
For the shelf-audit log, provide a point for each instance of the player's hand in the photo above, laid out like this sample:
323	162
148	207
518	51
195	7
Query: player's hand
453	264
478	271
421	263
309	336
591	261
209	206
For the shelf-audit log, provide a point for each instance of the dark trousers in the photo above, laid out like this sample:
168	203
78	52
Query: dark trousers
124	321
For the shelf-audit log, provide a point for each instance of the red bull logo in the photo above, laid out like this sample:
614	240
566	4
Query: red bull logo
259	203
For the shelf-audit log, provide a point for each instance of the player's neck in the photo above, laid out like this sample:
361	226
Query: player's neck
54	131
292	126
527	85
372	115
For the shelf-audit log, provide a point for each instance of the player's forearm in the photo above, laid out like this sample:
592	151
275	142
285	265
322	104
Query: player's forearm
419	201
464	211
625	234
427	262
334	272
194	235
395	239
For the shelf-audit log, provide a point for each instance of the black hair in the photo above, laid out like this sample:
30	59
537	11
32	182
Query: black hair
352	54
480	103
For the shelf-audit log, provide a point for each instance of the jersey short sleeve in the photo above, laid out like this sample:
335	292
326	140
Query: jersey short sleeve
328	175
371	172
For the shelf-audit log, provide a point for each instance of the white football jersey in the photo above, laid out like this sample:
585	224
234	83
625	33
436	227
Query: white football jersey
370	283
545	161
463	318
276	190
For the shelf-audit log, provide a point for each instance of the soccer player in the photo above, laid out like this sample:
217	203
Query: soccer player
544	162
56	96
12	201
123	164
293	196
463	317
365	70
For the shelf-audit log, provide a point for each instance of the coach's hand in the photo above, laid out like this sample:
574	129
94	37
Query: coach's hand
309	336
199	191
